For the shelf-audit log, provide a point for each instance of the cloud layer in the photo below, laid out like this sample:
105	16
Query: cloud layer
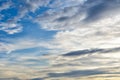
60	39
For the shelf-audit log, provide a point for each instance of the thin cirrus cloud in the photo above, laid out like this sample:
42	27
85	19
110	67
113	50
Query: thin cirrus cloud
59	40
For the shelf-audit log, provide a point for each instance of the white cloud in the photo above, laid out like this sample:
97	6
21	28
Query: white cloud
33	5
61	4
11	45
63	19
11	28
5	5
82	26
5	48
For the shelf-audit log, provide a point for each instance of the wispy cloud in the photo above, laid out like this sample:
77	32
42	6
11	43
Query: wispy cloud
92	51
5	5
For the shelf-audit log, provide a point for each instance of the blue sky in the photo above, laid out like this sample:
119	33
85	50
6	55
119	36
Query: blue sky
59	39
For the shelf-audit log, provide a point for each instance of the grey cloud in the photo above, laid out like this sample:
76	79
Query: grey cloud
97	11
77	73
72	17
37	79
91	51
93	12
82	52
62	19
9	79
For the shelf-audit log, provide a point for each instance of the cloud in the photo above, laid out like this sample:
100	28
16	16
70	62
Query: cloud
61	19
25	71
79	73
81	24
9	79
92	51
11	28
96	66
37	79
81	13
33	5
104	62
5	48
12	25
5	5
86	30
12	45
82	52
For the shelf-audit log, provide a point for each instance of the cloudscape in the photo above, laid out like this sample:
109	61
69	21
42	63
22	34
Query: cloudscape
59	39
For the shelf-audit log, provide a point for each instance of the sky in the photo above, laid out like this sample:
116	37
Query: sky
59	39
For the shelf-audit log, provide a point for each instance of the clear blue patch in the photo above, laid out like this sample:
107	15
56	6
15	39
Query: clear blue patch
33	30
9	14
